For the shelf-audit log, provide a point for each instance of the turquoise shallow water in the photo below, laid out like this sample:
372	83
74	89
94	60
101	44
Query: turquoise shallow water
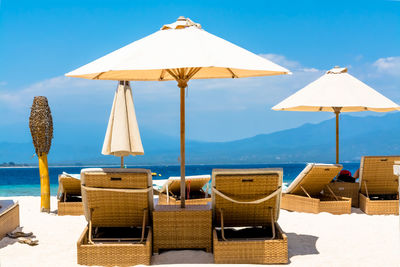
26	182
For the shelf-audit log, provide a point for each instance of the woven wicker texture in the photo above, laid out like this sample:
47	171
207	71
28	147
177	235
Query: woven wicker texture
316	205
176	228
313	178
251	251
116	178
70	208
333	206
69	185
162	200
41	125
377	173
350	190
9	217
246	185
122	254
300	203
378	207
115	207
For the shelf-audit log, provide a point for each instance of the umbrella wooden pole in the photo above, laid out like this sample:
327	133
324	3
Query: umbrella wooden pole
122	162
182	76
183	185
337	112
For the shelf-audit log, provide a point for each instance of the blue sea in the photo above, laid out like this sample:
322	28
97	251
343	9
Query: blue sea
25	181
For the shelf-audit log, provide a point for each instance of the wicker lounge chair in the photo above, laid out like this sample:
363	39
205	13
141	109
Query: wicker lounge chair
69	195
310	191
170	192
117	205
379	187
345	189
9	216
248	198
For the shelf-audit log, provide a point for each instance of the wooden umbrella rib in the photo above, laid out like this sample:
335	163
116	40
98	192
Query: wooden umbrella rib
193	72
233	74
171	72
98	75
162	75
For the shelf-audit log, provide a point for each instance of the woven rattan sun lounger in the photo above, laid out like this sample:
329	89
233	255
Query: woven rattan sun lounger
248	198
117	205
69	195
196	195
9	216
379	187
310	191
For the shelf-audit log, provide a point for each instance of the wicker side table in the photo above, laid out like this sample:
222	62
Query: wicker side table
177	228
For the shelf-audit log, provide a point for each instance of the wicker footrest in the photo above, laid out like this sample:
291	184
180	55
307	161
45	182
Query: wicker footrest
247	251
314	205
176	228
103	254
378	207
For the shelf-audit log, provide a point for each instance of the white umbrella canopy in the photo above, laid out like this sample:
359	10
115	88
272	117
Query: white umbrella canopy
179	51
337	91
182	44
122	137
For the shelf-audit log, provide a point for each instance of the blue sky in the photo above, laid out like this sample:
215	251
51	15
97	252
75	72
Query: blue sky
42	40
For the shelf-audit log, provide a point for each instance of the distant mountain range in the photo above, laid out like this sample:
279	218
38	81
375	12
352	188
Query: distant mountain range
308	143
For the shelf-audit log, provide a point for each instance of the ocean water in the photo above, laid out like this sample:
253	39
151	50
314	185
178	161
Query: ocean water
25	181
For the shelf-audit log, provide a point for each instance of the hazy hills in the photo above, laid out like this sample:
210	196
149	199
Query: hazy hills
307	143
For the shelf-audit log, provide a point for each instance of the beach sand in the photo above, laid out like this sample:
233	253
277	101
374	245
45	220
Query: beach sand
314	240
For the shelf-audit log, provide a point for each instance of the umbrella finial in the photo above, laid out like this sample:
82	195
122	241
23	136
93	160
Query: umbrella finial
181	23
337	70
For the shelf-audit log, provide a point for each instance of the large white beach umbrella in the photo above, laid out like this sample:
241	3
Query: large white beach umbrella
122	137
179	51
337	91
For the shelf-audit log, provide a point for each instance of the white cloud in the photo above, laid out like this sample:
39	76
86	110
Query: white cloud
282	60
388	65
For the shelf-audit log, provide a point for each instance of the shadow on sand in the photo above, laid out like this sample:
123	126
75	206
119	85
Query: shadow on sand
301	244
6	241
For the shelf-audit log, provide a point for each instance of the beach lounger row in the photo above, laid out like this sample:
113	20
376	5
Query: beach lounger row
119	209
239	225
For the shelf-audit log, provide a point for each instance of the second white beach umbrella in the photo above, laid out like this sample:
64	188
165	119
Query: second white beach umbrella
179	51
337	91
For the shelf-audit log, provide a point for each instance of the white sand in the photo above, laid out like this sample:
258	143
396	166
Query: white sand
314	240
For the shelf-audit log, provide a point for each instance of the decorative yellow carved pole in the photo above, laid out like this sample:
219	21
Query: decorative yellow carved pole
41	126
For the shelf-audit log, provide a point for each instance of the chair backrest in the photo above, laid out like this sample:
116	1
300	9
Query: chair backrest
246	185
377	173
197	182
117	197
69	185
313	178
